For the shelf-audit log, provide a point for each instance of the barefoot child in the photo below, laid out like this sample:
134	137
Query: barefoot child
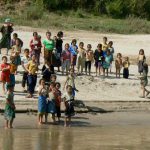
68	99
9	112
118	64
141	60
111	48
104	45
24	62
5	72
126	65
144	81
32	69
43	93
71	81
81	58
99	58
89	59
73	49
58	100
66	59
51	105
107	62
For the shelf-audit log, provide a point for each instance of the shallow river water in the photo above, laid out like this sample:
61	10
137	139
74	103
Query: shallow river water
128	132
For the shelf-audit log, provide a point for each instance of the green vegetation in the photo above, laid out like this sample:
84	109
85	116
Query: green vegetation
115	16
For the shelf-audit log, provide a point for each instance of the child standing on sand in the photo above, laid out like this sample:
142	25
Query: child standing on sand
68	99
104	45
66	59
144	81
24	62
9	112
73	49
81	58
43	93
99	58
126	64
32	69
118	64
107	62
71	81
111	48
141	60
89	59
5	72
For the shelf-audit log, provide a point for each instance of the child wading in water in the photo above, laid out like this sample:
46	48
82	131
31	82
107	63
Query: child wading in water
89	59
118	64
144	81
99	58
5	72
9	112
68	99
43	93
126	65
141	60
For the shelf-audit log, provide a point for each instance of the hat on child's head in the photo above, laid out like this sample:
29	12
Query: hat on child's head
7	20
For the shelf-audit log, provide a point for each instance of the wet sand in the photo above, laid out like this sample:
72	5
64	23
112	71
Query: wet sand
110	131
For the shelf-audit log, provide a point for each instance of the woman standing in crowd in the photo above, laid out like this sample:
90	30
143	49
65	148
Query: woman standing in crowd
48	48
6	31
59	45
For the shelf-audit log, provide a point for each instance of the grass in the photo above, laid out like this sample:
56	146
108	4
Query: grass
70	20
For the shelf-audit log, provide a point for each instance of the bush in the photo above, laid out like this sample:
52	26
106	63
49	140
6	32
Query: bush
35	11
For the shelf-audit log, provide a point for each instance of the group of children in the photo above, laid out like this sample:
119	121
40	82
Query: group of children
73	55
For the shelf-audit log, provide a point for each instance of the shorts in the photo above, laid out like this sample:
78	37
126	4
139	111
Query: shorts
98	64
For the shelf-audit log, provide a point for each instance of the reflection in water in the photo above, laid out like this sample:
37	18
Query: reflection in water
76	138
8	140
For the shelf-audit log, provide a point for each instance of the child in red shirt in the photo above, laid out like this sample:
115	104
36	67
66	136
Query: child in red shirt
5	72
58	100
